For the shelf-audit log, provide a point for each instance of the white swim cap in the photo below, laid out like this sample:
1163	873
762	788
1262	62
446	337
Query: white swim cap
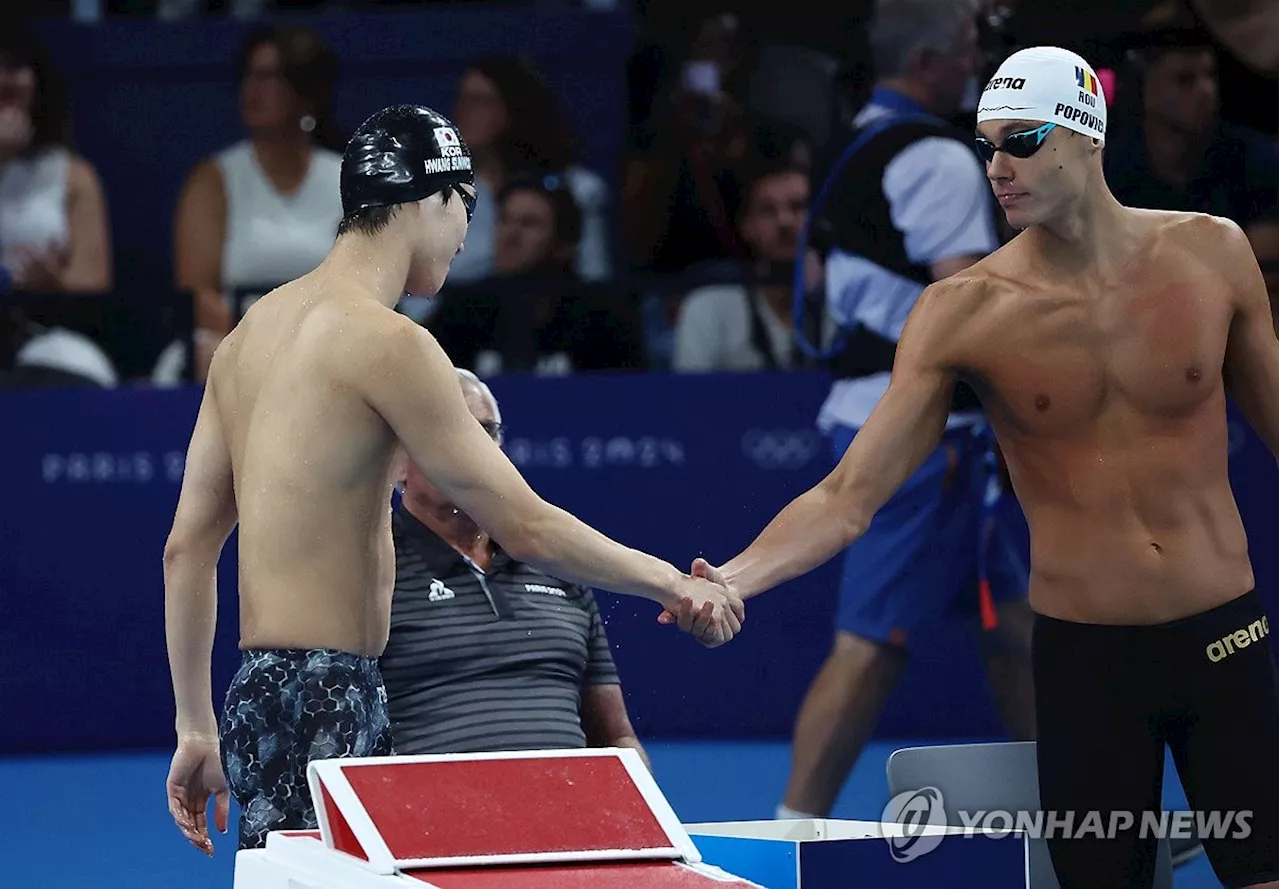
1049	84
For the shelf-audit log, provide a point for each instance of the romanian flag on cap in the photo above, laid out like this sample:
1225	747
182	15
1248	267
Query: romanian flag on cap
1086	81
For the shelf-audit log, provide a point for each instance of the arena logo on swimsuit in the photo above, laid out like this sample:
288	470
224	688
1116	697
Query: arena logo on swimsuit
1233	642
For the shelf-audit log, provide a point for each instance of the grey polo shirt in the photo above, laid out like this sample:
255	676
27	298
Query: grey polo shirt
492	661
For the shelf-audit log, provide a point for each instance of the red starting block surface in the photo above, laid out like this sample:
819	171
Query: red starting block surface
528	807
632	875
549	819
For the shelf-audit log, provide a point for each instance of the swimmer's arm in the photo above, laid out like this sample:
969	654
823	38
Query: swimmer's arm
414	387
901	432
204	519
1250	367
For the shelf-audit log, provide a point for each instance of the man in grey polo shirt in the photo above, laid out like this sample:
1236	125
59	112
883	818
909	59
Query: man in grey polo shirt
487	653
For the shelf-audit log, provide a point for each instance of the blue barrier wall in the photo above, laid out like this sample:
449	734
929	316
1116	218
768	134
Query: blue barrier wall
151	98
679	466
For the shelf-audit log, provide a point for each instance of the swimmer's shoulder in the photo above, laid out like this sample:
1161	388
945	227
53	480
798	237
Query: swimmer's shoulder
1170	234
1196	233
1202	244
971	289
367	340
954	314
976	307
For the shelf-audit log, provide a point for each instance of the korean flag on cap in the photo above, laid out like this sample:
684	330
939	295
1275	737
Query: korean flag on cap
447	138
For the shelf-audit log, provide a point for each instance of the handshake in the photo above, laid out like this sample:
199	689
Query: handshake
708	608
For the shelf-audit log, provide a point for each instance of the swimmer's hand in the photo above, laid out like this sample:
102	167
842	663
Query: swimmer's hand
194	775
708	611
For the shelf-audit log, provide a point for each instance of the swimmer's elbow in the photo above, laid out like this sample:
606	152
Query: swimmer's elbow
522	547
527	538
185	547
853	523
179	549
851	513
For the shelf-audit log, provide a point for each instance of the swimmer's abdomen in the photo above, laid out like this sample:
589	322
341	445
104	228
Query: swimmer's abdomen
1132	517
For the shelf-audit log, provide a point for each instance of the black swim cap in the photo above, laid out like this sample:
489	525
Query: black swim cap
402	154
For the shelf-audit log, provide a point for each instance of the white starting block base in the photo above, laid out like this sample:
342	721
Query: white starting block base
553	819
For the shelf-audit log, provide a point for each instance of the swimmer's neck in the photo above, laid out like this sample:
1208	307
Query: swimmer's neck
453	526
1088	233
378	265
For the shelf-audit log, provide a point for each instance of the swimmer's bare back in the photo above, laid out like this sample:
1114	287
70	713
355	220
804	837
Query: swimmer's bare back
311	464
1106	391
1107	395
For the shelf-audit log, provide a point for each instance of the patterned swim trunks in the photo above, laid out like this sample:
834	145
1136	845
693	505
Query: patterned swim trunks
284	709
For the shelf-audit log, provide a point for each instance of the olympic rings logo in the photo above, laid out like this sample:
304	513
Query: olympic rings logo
786	449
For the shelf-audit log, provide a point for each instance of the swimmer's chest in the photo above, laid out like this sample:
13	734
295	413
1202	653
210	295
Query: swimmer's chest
1154	347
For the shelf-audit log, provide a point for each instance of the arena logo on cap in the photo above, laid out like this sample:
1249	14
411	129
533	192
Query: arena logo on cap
1007	83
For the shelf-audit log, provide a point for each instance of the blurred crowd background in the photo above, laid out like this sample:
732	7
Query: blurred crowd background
644	212
656	284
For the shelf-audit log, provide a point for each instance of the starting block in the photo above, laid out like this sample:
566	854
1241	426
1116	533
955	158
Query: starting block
547	819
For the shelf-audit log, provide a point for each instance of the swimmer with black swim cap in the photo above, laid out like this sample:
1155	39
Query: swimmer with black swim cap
308	403
402	156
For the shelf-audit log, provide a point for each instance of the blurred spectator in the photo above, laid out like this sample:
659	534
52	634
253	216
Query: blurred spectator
487	653
54	228
536	314
60	358
1265	237
750	326
910	206
1172	150
266	209
678	176
514	124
